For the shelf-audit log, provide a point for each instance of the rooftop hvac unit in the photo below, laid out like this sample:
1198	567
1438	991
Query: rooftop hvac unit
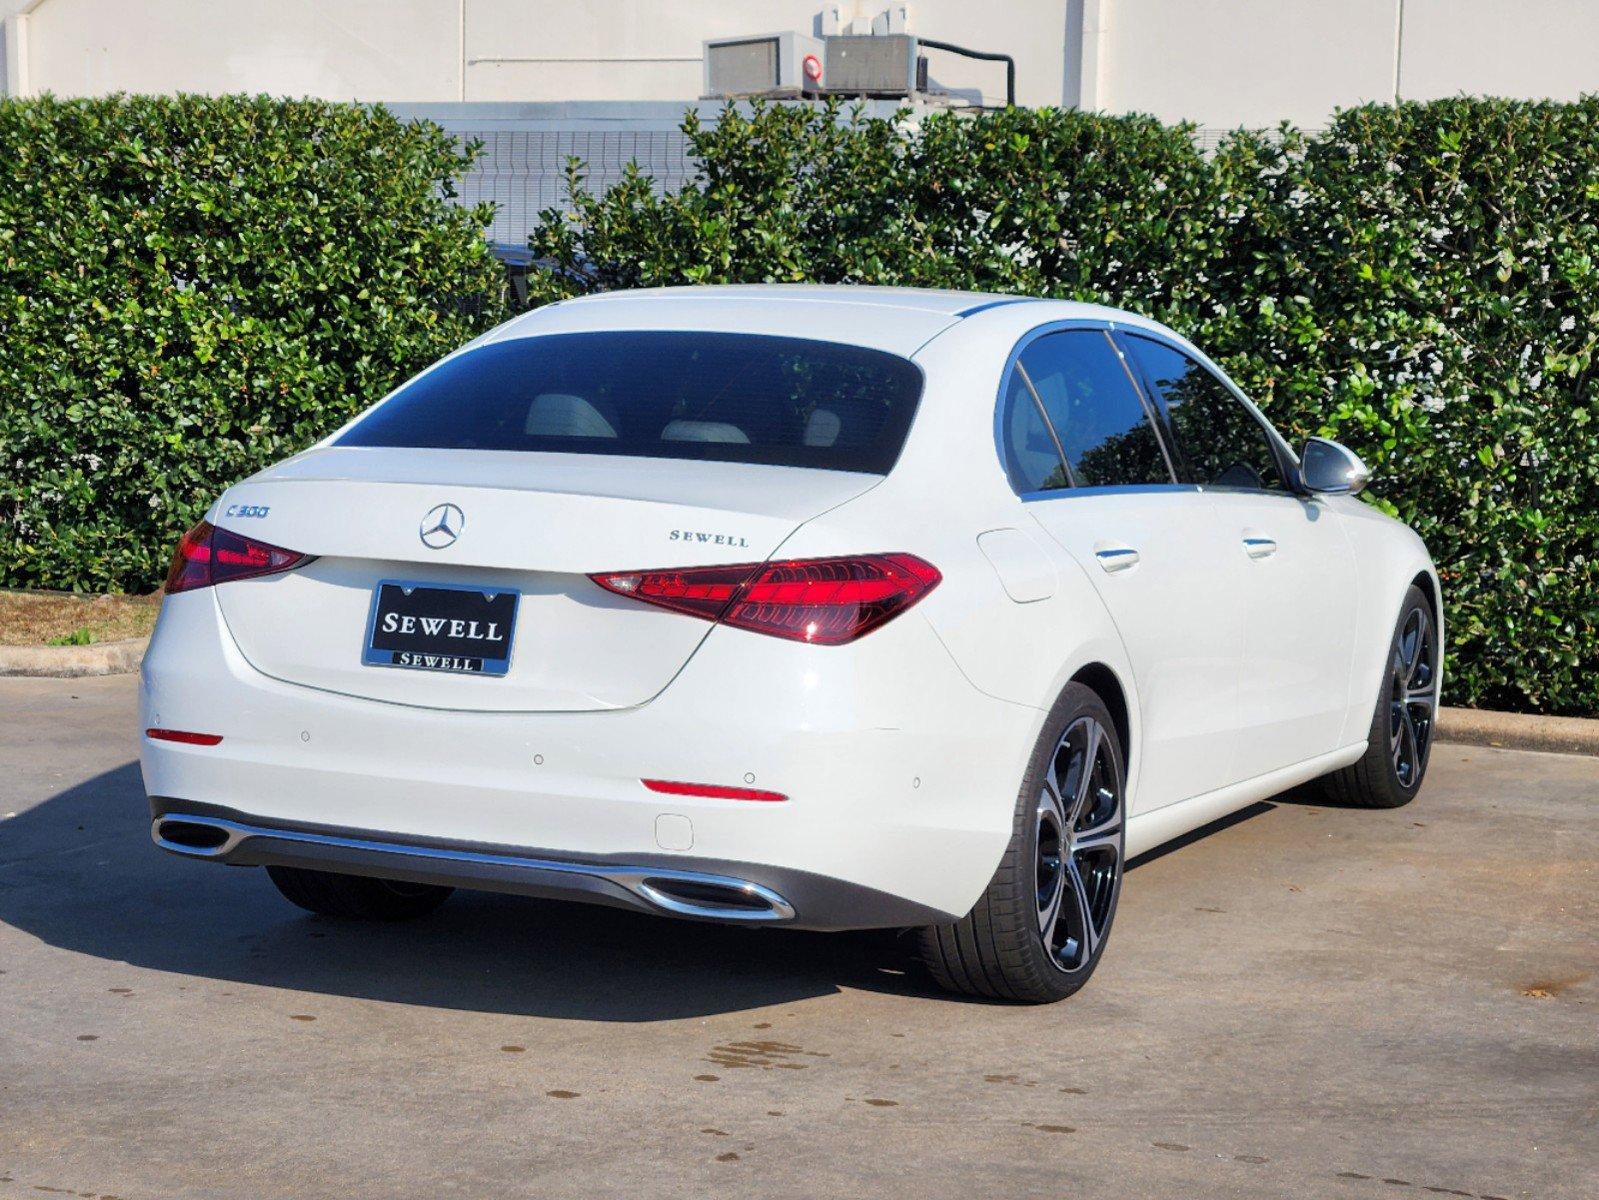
785	65
792	66
880	65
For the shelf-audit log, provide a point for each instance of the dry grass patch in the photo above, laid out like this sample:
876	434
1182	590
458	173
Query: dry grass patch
63	619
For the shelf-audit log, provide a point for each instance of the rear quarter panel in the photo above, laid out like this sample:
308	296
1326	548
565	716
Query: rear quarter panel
948	490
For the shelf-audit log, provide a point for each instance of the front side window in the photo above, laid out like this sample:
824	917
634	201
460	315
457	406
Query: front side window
1094	431
725	396
1221	441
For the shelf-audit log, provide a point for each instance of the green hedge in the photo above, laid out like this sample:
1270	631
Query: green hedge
1418	281
191	288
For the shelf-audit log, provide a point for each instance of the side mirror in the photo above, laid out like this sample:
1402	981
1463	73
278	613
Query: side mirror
1331	469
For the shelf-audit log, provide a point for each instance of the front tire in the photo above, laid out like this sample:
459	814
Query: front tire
356	896
1038	931
1399	742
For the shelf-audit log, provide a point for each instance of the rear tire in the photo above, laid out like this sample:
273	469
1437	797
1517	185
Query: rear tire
1038	931
1399	743
357	897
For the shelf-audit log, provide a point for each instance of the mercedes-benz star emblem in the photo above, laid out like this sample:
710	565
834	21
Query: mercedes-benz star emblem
442	525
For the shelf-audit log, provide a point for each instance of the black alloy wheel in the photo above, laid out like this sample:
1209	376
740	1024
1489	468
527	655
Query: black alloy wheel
1399	742
1038	931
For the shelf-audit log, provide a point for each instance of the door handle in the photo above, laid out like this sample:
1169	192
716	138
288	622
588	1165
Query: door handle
1116	558
1257	546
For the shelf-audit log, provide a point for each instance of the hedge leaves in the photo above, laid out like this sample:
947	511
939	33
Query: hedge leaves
191	288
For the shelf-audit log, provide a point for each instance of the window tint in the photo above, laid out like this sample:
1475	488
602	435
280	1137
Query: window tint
730	397
1222	442
1097	420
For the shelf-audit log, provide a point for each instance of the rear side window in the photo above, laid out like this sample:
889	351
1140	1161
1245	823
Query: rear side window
724	396
1074	419
1220	439
1033	454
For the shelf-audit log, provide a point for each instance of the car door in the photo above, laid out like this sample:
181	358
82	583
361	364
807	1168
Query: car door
1084	454
1289	553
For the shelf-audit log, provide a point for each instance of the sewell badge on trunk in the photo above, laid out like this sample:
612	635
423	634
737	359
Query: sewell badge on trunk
441	627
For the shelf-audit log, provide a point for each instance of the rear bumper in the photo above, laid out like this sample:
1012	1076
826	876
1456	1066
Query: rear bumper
901	777
664	885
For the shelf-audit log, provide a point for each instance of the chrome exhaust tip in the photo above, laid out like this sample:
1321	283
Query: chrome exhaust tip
712	897
197	837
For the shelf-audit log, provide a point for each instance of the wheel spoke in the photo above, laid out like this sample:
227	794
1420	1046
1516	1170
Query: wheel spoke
1409	645
1049	913
1419	665
1407	754
1103	799
1100	837
1419	709
1085	779
1419	716
1049	872
1057	777
1082	910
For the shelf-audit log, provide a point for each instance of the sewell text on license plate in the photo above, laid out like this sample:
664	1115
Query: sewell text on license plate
441	627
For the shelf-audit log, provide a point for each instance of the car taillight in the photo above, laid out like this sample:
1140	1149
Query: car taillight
208	556
822	600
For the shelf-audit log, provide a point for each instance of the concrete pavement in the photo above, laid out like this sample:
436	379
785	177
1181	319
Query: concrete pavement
1307	1001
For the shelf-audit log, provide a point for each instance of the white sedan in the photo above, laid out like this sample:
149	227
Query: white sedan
827	607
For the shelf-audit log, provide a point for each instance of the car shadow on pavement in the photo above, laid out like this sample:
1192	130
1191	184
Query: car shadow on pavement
80	872
1259	808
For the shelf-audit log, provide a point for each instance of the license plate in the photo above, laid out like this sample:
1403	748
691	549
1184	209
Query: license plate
441	627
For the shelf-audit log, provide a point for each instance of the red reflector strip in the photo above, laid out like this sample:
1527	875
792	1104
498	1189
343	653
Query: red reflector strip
184	736
712	791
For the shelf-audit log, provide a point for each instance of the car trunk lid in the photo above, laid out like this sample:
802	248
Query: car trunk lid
538	524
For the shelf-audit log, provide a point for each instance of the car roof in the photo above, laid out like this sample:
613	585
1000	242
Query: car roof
946	301
898	320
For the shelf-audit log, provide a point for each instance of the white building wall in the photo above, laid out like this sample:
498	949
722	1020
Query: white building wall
1226	63
337	49
1545	48
1220	63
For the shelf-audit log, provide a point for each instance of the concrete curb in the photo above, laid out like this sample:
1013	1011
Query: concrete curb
1518	731
1462	726
70	662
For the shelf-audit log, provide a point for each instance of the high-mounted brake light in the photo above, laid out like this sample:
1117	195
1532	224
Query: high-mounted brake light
828	601
208	556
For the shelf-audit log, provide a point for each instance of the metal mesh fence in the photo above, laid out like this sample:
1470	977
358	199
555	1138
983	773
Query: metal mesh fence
523	171
526	148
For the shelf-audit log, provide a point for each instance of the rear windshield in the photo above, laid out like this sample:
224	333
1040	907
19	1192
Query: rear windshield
726	396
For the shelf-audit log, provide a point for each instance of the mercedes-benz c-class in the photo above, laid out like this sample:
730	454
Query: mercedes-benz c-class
822	607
